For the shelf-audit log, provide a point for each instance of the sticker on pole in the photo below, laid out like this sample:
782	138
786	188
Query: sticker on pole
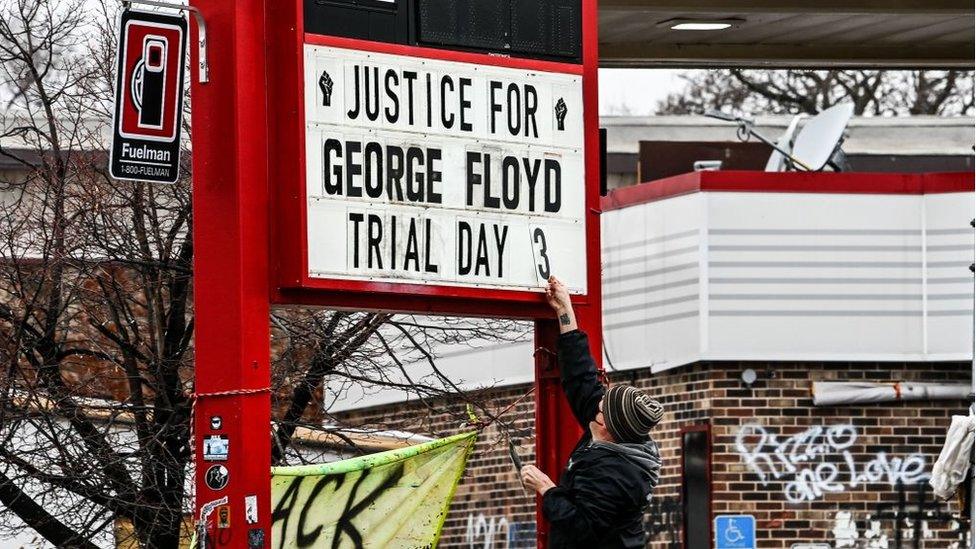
735	532
148	111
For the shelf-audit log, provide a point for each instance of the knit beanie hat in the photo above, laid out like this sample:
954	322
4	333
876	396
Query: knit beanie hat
629	413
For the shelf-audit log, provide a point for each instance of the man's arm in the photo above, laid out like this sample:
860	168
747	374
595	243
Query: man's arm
576	366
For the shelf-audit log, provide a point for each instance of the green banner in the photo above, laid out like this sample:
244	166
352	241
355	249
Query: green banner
397	498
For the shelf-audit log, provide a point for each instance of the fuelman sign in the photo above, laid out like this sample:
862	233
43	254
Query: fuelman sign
441	172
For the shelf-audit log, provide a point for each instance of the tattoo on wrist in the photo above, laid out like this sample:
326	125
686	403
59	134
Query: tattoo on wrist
564	319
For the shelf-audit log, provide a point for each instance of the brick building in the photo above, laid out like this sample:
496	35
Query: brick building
709	275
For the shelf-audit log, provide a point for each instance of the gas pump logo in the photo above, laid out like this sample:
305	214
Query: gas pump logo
151	81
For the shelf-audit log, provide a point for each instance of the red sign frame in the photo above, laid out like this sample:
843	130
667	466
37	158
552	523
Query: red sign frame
246	180
291	284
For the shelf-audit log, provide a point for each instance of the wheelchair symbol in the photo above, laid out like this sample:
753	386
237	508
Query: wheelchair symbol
732	533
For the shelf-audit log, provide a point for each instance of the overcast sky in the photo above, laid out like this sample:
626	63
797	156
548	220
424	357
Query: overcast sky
636	91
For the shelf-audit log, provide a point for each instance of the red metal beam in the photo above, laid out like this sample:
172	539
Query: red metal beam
230	237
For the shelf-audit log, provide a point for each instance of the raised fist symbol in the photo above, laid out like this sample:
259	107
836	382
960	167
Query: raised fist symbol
561	111
325	84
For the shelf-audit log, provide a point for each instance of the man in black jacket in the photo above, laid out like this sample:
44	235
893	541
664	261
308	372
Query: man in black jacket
601	496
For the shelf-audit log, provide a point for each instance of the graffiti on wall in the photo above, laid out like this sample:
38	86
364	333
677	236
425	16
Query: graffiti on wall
663	516
819	461
498	532
906	522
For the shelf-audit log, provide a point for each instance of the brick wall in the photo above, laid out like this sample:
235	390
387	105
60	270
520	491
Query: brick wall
816	498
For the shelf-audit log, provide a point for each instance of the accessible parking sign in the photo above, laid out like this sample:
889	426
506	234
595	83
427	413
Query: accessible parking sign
735	532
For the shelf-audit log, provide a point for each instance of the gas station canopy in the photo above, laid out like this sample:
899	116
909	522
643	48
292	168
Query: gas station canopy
787	33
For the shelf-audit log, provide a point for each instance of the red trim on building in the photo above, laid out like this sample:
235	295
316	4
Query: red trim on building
789	182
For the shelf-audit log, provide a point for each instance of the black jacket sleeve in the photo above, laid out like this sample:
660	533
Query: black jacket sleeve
579	376
600	496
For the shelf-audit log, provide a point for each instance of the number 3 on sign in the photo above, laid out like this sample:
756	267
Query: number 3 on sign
540	251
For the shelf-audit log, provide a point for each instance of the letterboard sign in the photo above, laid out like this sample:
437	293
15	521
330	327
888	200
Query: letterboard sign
429	171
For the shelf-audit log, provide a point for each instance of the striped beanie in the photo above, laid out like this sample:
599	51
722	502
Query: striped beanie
629	413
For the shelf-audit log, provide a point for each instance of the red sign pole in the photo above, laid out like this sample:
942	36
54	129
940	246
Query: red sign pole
230	238
555	427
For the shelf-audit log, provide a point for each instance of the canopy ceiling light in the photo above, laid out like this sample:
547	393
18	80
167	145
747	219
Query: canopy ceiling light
700	24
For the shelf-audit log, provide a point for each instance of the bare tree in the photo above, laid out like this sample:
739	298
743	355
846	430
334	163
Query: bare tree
945	93
96	309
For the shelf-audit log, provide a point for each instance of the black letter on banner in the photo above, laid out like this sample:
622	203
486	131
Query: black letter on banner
374	151
282	511
482	255
332	186
392	115
465	104
307	539
356	219
464	243
554	188
373	240
344	525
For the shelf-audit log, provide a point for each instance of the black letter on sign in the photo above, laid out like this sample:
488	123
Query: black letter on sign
514	112
394	172
554	188
354	112
465	105
373	160
353	168
464	243
412	253
356	219
496	107
470	159
539	238
428	234
374	98
392	115
445	82
433	176
332	185
510	182
500	244
373	240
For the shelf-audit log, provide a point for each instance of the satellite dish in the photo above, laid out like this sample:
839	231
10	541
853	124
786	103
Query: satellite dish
821	136
777	162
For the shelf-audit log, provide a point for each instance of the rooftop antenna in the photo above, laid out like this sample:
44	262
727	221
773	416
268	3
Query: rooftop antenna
816	145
